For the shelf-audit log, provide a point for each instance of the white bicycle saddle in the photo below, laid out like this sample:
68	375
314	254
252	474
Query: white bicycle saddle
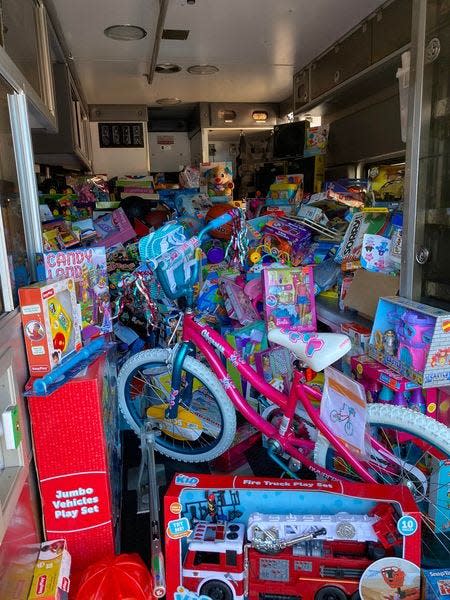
316	350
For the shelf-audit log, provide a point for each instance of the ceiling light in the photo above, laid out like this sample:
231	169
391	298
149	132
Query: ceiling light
260	115
202	69
125	33
168	101
168	68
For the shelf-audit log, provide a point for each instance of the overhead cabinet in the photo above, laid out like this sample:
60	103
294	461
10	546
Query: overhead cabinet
71	146
386	32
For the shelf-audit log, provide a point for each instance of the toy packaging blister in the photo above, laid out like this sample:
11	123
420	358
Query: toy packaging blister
436	584
289	298
51	323
412	339
222	534
87	266
237	303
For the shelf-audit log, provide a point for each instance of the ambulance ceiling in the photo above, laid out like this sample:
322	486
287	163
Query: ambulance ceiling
256	44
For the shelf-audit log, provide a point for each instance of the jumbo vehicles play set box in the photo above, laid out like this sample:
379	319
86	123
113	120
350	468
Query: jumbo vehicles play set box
246	538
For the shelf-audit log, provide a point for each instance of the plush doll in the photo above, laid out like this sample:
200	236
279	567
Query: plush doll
219	181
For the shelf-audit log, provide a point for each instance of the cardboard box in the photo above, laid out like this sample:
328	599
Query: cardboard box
51	323
413	339
76	444
365	290
436	584
51	577
210	518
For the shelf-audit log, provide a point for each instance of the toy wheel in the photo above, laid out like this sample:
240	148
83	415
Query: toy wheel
330	593
216	590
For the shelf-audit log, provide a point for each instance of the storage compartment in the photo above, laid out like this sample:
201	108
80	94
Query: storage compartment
347	58
391	29
301	88
71	146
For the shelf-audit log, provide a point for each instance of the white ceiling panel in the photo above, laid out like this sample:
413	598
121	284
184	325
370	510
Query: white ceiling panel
257	45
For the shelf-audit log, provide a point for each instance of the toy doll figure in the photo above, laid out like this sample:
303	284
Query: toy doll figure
105	309
390	342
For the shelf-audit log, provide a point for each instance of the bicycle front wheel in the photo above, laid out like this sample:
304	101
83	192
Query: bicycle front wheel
405	447
206	421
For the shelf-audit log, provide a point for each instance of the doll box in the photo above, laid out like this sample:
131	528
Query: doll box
436	584
412	339
51	323
210	518
289	300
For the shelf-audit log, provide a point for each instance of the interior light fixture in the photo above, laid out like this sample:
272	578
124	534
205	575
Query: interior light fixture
227	116
125	33
260	115
168	101
168	68
202	69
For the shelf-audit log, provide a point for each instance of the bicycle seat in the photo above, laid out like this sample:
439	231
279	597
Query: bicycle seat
316	350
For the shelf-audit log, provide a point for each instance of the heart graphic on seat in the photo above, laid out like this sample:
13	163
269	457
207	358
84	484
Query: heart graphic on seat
314	345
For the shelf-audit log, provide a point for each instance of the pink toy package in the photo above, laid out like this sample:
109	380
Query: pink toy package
289	298
238	305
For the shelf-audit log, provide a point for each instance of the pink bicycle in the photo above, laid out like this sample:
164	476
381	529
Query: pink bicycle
195	406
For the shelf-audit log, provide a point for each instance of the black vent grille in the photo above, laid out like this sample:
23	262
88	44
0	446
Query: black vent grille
175	34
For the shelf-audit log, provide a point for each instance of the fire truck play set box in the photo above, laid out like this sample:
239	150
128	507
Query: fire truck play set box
248	538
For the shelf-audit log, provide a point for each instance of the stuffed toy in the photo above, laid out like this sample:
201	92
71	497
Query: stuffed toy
219	180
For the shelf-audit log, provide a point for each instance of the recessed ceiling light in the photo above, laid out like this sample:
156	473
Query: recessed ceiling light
202	69
125	33
168	101
167	68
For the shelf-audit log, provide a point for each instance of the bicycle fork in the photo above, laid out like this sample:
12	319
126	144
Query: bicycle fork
180	353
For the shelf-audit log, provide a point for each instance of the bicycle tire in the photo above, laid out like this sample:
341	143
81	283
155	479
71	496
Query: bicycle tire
206	377
399	418
427	431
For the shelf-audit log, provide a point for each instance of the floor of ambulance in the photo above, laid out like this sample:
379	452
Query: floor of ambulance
135	528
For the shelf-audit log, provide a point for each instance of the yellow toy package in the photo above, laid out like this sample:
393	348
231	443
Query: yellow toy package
51	577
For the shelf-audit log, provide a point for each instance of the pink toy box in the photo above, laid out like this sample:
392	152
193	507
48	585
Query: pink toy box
412	339
211	523
289	298
51	323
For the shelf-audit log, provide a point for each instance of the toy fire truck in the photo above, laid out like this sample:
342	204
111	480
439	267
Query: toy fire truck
287	557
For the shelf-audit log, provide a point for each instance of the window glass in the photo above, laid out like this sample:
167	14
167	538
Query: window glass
206	558
17	268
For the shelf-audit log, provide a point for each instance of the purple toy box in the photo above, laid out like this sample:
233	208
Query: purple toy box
289	236
289	298
412	339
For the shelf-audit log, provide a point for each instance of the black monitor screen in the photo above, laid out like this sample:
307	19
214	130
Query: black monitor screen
289	140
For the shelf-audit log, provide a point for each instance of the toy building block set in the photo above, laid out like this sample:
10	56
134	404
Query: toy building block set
244	537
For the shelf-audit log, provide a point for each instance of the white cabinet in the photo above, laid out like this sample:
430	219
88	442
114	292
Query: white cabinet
71	146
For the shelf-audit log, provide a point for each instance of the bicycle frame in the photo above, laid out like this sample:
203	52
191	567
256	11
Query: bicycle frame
201	336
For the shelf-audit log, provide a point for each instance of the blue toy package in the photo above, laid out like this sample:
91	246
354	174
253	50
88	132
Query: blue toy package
168	250
436	584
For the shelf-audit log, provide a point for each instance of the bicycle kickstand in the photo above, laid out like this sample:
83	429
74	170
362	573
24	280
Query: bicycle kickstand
147	470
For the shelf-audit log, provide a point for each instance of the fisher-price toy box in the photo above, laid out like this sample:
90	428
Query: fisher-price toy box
51	576
236	537
436	584
51	322
412	339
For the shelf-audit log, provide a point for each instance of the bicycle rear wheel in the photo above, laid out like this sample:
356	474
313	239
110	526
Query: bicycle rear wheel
206	422
405	447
